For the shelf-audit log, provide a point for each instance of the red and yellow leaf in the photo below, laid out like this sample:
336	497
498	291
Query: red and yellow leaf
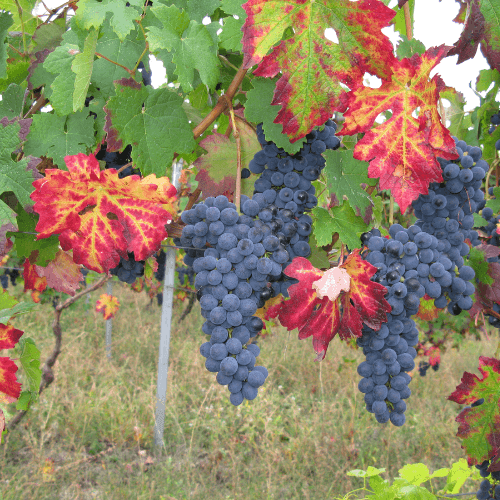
100	216
479	427
402	151
312	66
108	305
321	318
8	380
9	336
32	281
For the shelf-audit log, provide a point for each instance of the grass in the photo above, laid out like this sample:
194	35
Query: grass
91	434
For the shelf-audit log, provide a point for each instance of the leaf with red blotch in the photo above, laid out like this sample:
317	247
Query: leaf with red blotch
321	318
108	305
32	281
8	380
481	29
311	66
100	216
217	169
486	295
9	336
427	310
479	427
402	151
62	274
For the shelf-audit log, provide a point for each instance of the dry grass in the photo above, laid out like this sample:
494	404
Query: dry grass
297	440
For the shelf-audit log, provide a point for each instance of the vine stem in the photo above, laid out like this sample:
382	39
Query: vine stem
47	373
391	209
130	72
236	134
409	30
20	10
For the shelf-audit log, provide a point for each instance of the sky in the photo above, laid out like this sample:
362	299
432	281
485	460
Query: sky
433	26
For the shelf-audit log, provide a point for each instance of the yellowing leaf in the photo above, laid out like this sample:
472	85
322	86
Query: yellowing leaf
108	305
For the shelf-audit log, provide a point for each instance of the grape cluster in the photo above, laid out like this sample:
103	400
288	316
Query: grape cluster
495	121
232	280
161	258
403	264
447	213
13	274
487	491
128	269
285	191
423	366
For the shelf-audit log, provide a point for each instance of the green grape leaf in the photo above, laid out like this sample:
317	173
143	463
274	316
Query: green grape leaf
30	361
486	78
59	63
12	101
57	137
191	45
82	67
494	204
258	109
25	244
344	178
406	48
318	257
340	220
156	131
125	52
92	14
6	21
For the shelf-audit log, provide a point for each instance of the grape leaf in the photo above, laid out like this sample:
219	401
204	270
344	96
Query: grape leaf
59	136
486	296
26	244
230	38
479	427
321	318
258	109
155	131
100	216
477	260
312	66
481	29
402	151
108	305
340	220
494	203
344	178
92	14
217	169
189	42
62	274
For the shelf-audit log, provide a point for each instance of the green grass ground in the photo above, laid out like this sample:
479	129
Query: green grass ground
297	440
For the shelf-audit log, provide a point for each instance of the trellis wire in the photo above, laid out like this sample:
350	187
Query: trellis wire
166	325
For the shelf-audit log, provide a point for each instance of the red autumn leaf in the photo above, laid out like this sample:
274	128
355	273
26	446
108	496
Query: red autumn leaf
8	380
62	274
108	305
312	66
479	427
402	151
321	318
100	216
32	281
9	336
481	29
